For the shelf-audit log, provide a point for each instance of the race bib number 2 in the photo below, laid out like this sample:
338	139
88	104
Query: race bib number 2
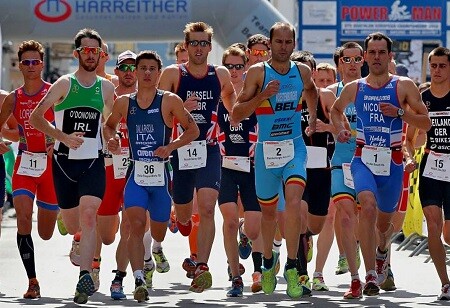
278	153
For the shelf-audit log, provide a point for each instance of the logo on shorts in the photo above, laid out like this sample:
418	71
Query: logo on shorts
53	10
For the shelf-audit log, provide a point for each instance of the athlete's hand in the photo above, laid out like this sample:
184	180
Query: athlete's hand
163	152
191	103
410	165
4	146
312	125
114	145
344	136
389	110
74	140
272	88
321	127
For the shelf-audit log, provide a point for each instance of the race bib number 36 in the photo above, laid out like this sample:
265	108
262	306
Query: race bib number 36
437	167
192	155
377	159
149	173
278	153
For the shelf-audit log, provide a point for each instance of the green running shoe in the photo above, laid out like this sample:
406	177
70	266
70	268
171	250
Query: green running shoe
269	278
294	288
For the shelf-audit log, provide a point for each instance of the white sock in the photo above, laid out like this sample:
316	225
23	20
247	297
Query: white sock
139	274
147	245
156	246
276	245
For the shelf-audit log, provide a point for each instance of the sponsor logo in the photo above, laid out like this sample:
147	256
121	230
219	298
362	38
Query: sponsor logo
53	10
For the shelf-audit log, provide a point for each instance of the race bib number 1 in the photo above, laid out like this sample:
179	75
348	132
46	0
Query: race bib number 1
437	166
377	159
278	153
149	173
32	164
192	155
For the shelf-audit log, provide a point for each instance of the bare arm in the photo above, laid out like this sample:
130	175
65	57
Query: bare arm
55	94
118	112
168	77
337	110
310	93
176	109
408	148
249	99
7	104
228	94
327	99
108	97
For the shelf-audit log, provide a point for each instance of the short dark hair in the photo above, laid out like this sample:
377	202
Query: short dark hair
149	55
30	45
179	48
337	56
258	39
234	51
198	26
350	45
378	36
439	52
279	25
304	56
87	33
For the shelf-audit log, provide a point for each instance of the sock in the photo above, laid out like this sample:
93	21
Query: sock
257	261
356	276
276	245
96	262
193	236
26	251
268	263
82	273
381	254
302	264
156	246
317	274
119	275
147	245
291	263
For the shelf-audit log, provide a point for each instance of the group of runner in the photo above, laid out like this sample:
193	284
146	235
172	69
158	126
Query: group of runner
285	150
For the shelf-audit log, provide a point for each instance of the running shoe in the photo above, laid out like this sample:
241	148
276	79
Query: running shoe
389	283
117	290
256	285
371	288
445	293
162	265
309	249
140	292
277	265
268	278
61	227
303	280
189	265
149	269
241	271
342	267
172	225
74	254
185	230
245	245
237	287
381	268
85	288
202	279
355	290
34	291
319	284
294	289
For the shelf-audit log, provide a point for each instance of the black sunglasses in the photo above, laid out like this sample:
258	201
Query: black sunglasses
195	43
235	66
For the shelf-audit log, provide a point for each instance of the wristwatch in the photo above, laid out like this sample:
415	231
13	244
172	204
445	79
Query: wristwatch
400	112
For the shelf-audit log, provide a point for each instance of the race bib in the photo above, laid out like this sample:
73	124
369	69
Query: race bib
192	155
278	153
377	159
317	157
437	166
149	173
88	150
348	178
32	164
238	163
120	163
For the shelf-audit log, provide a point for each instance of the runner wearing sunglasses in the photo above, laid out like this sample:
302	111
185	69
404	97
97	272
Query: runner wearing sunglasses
79	99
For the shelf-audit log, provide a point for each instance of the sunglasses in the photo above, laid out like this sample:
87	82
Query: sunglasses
258	52
29	62
86	50
126	67
356	59
235	66
195	43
